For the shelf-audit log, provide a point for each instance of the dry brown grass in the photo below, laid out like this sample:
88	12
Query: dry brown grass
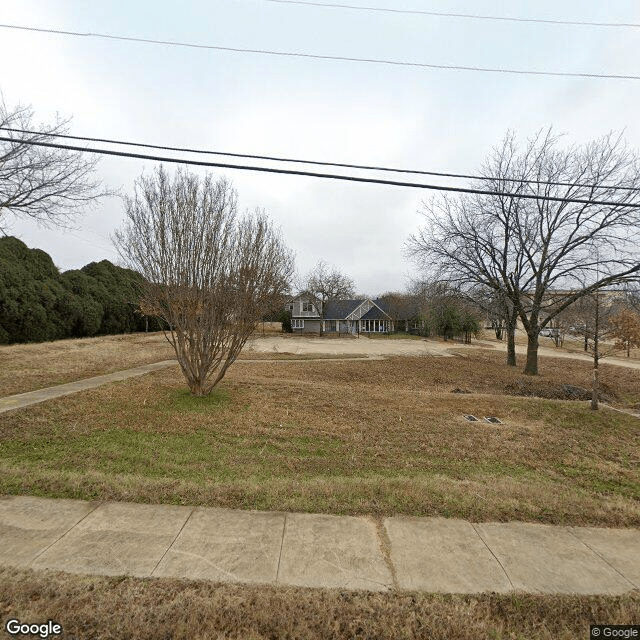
572	344
269	328
25	367
378	437
148	609
486	373
277	355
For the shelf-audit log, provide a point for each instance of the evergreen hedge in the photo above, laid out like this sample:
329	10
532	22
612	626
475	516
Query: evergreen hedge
39	303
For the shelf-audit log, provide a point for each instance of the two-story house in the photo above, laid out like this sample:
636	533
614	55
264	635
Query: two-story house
340	316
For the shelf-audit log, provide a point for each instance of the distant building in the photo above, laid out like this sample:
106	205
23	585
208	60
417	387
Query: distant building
340	316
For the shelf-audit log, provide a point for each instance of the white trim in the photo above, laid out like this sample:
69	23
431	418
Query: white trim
297	323
381	309
354	316
375	326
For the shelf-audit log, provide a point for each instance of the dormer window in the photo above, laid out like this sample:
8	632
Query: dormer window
307	307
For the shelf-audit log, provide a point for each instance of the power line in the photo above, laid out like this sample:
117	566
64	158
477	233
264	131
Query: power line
472	16
330	176
89	242
295	54
317	162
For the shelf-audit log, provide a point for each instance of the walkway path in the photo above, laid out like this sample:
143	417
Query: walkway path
21	400
315	550
551	352
40	395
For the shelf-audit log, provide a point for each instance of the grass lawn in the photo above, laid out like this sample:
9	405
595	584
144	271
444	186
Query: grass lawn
26	367
377	437
155	609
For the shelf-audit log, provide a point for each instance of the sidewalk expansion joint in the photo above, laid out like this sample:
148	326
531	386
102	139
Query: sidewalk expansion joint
384	544
86	515
635	586
284	530
184	524
490	550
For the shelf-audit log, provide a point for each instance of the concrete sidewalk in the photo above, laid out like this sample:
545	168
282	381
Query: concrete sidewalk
21	400
315	550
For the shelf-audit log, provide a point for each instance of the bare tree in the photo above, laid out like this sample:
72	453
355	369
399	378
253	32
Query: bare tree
600	331
632	296
537	246
468	241
42	183
626	330
326	283
210	274
401	307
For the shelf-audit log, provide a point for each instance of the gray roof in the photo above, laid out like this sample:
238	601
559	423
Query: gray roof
340	309
406	310
376	313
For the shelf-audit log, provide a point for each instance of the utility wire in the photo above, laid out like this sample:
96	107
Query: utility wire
330	176
294	54
89	242
472	16
317	162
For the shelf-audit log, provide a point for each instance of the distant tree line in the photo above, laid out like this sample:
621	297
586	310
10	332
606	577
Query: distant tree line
434	309
39	303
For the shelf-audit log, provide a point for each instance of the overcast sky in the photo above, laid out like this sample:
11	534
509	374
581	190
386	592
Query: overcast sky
323	110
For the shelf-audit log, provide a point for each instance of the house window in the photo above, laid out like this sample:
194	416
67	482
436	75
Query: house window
297	324
307	307
330	326
375	326
290	307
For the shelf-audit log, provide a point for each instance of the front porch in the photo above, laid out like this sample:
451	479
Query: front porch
357	326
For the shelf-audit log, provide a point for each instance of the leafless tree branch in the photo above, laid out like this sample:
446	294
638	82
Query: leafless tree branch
48	185
211	274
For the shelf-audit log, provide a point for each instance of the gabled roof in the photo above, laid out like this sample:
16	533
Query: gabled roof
376	312
406	310
302	294
340	309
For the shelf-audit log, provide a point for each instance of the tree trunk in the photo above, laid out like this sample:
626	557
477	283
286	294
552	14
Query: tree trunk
596	357
594	388
531	367
196	387
511	344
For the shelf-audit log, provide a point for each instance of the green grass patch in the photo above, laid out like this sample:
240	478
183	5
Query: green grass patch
183	400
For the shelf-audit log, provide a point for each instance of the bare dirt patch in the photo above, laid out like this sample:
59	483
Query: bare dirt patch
348	345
